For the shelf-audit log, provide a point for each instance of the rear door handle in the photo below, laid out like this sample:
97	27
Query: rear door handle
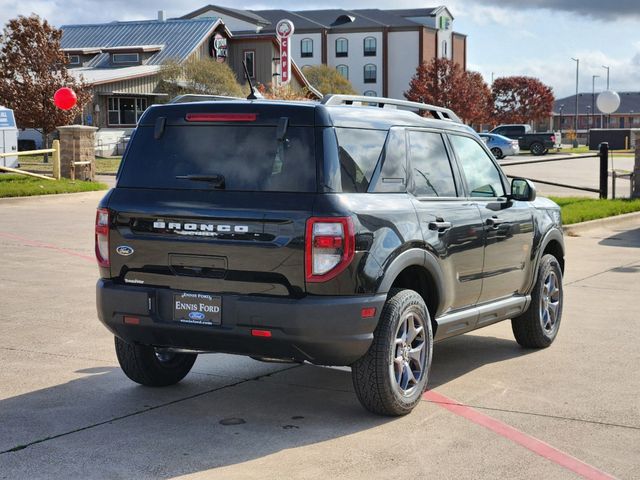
440	226
494	222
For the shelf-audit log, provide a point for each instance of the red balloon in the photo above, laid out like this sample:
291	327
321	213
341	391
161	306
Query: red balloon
65	98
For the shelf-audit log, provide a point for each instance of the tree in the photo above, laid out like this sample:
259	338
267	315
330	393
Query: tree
444	83
521	100
328	80
203	76
32	68
479	103
282	92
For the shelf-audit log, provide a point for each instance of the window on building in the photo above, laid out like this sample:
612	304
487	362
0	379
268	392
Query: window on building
74	59
126	58
343	70
125	111
369	47
250	62
444	48
306	48
370	93
342	47
370	73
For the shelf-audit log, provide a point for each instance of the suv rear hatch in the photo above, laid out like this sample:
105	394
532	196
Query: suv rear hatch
214	197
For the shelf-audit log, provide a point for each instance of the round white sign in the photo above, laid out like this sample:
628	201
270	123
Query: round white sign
608	102
284	28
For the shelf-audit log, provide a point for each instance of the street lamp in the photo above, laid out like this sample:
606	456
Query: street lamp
608	116
577	60
561	109
607	69
593	96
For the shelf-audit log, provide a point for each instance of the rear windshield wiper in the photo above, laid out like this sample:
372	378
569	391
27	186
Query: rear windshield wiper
216	180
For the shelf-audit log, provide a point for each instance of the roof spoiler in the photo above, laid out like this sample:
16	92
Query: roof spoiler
192	97
439	113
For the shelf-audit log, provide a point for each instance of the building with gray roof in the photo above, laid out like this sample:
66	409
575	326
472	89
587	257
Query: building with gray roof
377	50
122	60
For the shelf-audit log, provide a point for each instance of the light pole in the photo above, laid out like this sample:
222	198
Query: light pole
593	95
561	108
608	116
577	60
607	69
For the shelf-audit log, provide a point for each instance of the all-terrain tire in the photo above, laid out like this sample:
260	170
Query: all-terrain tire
539	325
375	375
144	365
537	149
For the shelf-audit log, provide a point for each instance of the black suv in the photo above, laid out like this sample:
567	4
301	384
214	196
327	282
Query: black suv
349	232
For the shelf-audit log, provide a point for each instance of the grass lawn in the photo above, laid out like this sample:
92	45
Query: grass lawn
33	163
581	209
23	186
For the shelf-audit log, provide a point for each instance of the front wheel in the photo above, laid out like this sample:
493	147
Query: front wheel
391	377
539	325
148	366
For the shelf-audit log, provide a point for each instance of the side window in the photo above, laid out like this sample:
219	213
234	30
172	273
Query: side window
430	165
393	174
483	177
359	151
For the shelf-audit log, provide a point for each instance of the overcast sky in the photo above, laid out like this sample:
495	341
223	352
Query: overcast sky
508	37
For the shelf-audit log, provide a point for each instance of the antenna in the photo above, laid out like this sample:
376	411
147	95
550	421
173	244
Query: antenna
252	95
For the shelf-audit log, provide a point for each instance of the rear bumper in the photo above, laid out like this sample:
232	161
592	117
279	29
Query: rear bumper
319	329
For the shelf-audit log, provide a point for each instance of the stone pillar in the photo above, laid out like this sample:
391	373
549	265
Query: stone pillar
77	152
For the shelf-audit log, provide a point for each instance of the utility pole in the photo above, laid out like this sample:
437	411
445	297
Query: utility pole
593	96
577	60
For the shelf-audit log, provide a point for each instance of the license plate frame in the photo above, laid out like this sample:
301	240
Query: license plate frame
193	308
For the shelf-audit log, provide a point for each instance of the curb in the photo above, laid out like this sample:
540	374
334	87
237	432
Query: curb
578	228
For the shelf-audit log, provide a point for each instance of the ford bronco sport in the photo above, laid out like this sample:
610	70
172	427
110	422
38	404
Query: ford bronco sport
355	231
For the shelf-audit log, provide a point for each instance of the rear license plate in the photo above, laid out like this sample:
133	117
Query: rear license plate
197	309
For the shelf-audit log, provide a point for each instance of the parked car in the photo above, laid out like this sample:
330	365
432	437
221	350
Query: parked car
500	146
537	143
332	233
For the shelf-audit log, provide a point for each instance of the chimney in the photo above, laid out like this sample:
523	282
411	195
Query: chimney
161	16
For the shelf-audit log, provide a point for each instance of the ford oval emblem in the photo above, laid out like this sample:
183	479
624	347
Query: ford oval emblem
196	315
124	250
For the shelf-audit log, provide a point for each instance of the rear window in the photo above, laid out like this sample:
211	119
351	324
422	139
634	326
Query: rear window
359	151
250	158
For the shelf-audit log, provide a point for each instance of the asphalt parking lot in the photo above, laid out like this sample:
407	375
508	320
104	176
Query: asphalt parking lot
493	410
580	172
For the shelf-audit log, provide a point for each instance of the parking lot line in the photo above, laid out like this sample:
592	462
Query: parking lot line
527	441
50	246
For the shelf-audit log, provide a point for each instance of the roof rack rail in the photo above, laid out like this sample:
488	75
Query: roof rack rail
440	113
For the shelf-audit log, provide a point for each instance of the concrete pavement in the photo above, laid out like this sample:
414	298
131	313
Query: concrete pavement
67	411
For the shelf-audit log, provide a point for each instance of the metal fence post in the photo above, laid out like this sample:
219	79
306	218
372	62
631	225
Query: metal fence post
604	165
635	176
56	159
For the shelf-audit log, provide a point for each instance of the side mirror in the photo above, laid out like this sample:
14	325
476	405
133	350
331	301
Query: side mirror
523	190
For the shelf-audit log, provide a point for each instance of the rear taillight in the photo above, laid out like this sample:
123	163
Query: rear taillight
102	237
553	138
329	247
